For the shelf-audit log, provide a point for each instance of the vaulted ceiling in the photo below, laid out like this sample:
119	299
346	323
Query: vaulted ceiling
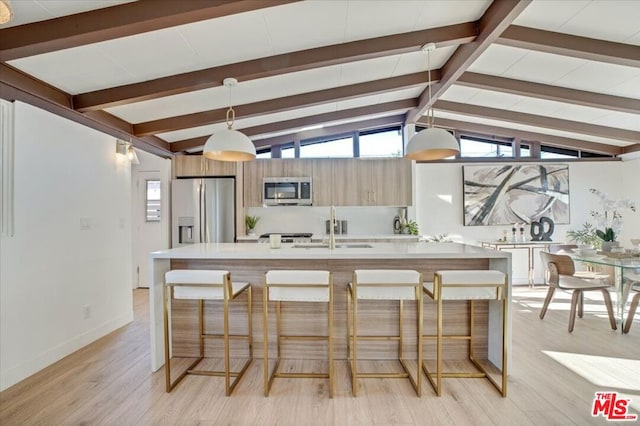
564	73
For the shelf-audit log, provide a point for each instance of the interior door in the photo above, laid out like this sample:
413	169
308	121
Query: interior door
150	221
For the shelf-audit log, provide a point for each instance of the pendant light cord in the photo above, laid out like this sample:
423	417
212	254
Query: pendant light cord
231	114
430	118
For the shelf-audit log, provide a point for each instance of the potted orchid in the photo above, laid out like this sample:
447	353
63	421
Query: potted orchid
609	220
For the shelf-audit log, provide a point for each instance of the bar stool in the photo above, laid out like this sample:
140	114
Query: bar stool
296	286
383	284
204	285
470	286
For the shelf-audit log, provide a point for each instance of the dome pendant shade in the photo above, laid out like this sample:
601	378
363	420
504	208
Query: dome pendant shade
432	144
229	145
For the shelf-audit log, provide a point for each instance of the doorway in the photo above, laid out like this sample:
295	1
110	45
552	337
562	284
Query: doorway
150	221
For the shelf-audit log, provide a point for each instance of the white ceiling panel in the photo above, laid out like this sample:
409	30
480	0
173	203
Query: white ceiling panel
457	93
27	11
543	67
543	130
399	95
543	107
417	61
629	89
495	99
619	120
305	25
497	59
218	41
603	78
585	18
75	70
358	102
371	18
369	70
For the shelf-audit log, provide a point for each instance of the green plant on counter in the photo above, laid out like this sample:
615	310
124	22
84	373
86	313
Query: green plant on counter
608	234
588	235
412	227
251	222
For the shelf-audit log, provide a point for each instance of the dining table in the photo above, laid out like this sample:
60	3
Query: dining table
626	273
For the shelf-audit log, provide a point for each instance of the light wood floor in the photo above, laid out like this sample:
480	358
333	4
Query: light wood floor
553	378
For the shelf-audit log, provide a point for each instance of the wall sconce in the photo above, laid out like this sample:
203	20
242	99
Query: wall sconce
126	148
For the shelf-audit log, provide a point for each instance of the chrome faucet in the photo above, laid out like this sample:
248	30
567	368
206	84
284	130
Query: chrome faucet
332	227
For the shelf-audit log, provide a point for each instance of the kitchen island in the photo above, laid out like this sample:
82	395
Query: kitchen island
249	262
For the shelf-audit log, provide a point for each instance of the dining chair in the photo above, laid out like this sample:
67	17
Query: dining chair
562	275
634	301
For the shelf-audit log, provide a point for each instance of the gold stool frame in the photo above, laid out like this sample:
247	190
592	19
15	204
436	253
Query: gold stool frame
439	374
268	378
168	293
352	336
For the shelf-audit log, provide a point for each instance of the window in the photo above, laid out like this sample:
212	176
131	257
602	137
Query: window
550	152
381	143
263	153
474	147
525	150
342	147
153	201
288	152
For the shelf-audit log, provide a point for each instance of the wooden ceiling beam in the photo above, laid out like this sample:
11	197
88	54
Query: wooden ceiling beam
284	104
114	22
552	140
297	123
538	121
276	65
571	45
549	92
497	18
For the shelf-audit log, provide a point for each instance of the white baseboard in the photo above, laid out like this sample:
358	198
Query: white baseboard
31	366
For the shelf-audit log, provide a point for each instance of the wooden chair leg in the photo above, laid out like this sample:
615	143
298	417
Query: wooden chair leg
581	305
547	300
631	313
574	305
607	303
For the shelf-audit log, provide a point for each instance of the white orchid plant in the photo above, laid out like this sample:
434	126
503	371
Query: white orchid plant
609	220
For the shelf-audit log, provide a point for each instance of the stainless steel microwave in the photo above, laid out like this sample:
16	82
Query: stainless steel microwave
287	191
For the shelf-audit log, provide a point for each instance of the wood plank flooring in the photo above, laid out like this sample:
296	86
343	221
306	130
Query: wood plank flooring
553	378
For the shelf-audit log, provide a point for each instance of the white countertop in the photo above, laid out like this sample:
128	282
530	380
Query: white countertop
400	250
342	237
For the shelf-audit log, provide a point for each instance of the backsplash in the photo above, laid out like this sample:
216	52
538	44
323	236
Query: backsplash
361	220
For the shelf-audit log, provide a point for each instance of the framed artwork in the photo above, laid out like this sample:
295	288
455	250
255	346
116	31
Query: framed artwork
521	193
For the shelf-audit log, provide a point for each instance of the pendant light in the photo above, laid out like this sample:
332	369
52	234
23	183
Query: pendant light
229	144
5	11
431	143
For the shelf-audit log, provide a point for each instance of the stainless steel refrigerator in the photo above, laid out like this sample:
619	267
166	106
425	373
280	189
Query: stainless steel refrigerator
202	211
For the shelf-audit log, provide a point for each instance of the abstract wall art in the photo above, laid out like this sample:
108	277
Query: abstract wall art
501	195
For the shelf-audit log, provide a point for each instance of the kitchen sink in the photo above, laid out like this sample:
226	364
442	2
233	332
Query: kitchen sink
312	246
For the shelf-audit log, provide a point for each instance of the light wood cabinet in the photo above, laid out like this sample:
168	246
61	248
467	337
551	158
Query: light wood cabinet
337	181
254	171
197	165
372	182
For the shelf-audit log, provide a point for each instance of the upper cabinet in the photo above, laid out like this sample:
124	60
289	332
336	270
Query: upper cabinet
337	181
197	165
372	182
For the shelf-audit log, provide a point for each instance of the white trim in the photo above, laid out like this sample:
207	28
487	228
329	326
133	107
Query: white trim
7	162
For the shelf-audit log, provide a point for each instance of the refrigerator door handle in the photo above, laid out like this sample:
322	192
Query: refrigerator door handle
200	212
204	214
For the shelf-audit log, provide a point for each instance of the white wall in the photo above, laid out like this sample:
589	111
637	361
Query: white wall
361	220
67	177
439	201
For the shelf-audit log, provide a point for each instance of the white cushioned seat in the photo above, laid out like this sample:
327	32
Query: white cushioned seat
200	281
375	284
572	282
473	284
297	280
